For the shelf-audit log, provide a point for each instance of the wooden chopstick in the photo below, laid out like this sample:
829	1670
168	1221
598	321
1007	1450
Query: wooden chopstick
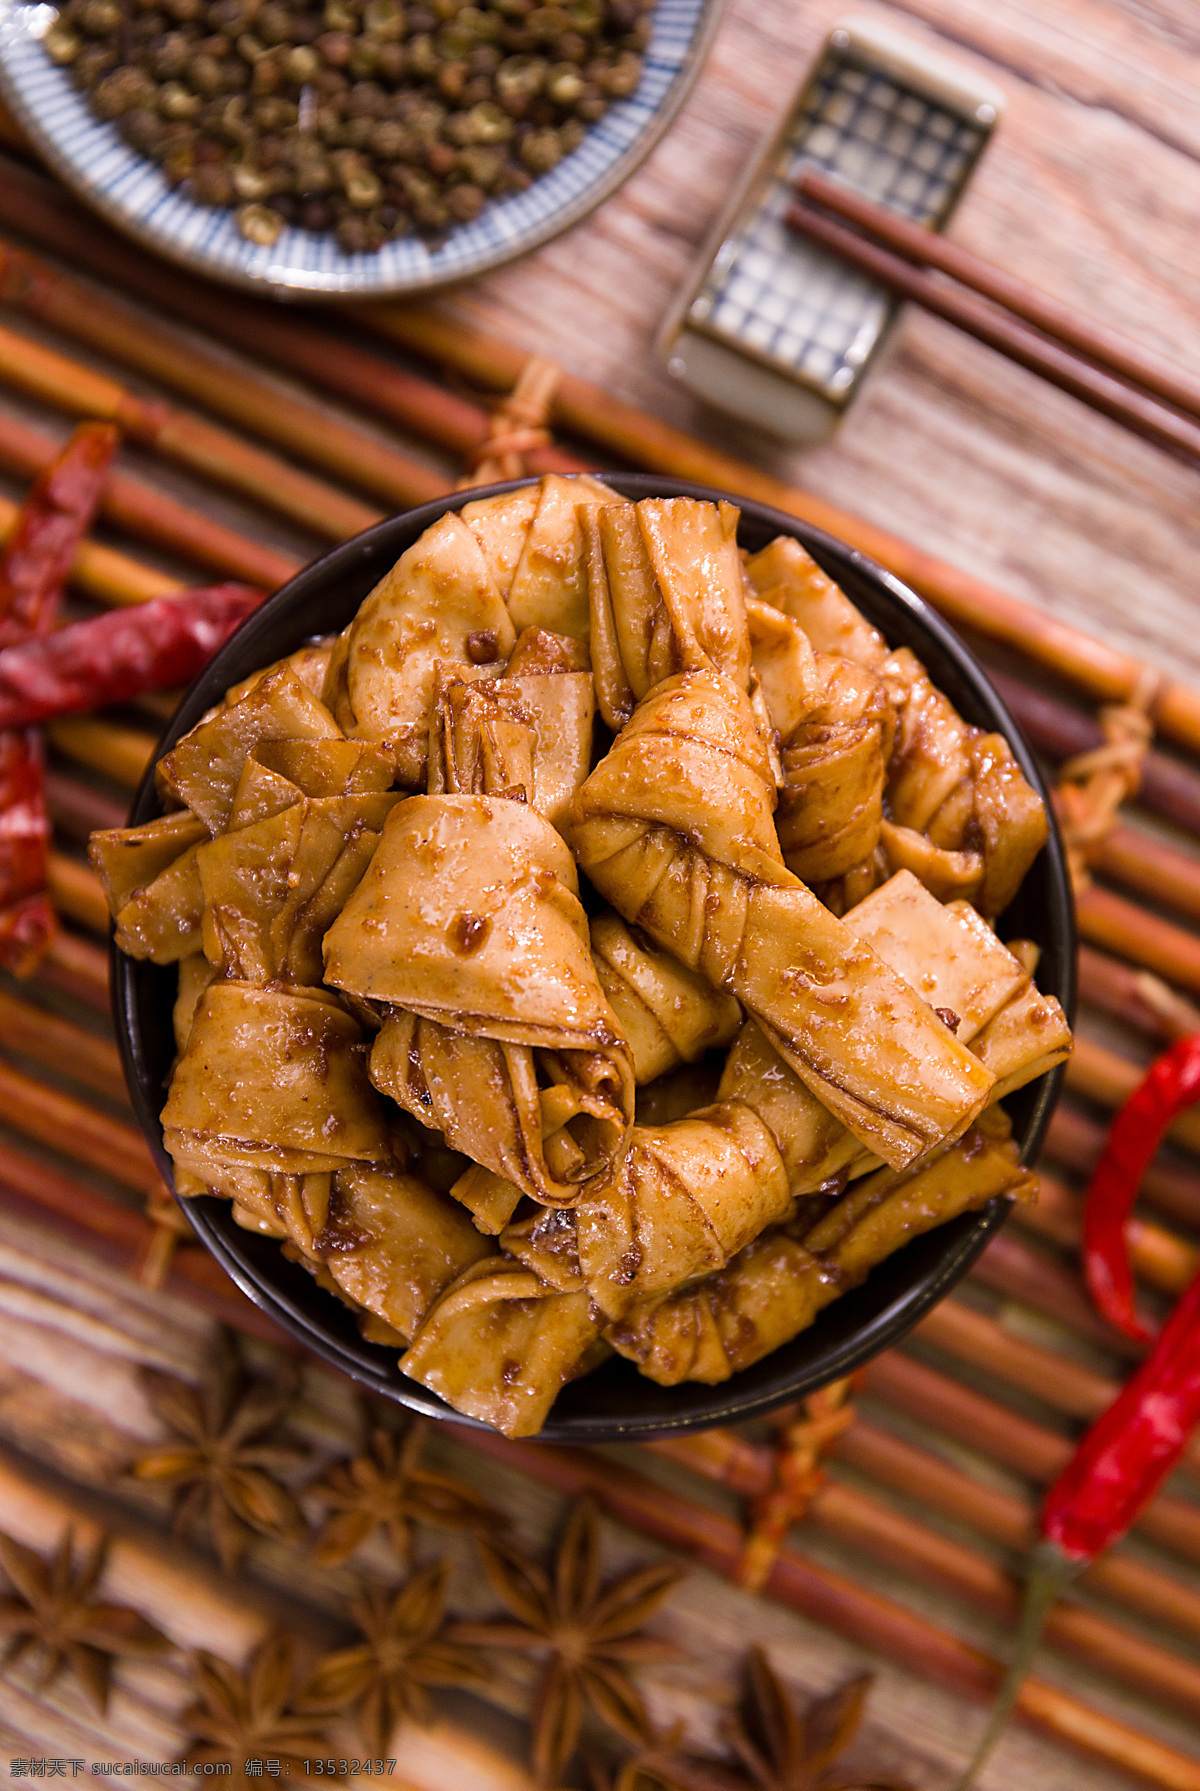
1105	348
976	317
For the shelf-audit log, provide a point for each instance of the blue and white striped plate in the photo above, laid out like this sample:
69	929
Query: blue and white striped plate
132	193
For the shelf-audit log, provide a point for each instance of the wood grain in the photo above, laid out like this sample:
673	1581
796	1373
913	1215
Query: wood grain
1090	189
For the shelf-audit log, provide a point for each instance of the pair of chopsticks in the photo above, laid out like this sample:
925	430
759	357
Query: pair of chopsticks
1115	376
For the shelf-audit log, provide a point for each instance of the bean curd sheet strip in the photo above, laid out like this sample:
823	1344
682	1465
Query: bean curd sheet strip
549	585
458	598
834	766
531	732
960	787
666	596
152	885
778	1285
675	828
203	770
440	603
681	1203
468	931
668	1014
685	1198
960	813
392	1244
789	579
500	1345
957	964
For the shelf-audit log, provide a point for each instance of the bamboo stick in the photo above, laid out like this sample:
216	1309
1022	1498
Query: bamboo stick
1103	1076
868	1526
920	1474
1169	787
76	892
1109	921
1141	1000
732	1459
67	1199
1064	1385
644	440
1160	1257
118	752
35	1032
152	516
78	1131
1018	1271
44	213
123	1229
1076	1141
99	1216
448	419
77	810
1031	1450
78	968
204	447
904	1384
863	1617
1163	874
238	394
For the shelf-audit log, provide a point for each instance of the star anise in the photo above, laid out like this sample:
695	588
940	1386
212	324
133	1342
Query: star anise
784	1749
383	1678
588	1631
50	1616
244	1717
226	1451
658	1765
384	1487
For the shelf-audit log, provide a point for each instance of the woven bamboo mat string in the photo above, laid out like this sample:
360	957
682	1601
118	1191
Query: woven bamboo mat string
800	1447
171	1228
1094	786
518	427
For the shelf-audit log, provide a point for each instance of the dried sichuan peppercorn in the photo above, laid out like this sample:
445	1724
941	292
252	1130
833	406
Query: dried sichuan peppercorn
229	97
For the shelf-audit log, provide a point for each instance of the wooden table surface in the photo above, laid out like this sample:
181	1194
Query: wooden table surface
1090	189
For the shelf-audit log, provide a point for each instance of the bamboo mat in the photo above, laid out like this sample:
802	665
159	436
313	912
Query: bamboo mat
238	464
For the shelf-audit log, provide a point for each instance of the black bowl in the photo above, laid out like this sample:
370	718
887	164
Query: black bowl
615	1403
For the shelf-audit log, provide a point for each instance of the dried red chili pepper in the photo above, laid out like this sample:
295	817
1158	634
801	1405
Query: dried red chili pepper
53	519
57	513
1170	1086
1129	1451
113	657
26	917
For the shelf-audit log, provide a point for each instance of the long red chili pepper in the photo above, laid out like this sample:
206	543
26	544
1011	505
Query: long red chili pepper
1170	1086
55	515
113	657
57	512
1129	1451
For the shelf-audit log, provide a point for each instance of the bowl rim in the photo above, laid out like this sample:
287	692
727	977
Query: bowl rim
963	1239
315	285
